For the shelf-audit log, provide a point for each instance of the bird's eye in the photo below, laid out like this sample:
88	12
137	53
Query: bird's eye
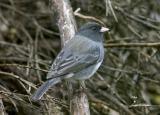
94	28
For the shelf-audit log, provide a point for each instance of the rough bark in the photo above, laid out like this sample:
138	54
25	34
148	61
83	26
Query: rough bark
66	22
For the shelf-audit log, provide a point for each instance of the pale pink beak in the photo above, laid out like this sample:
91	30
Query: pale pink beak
104	29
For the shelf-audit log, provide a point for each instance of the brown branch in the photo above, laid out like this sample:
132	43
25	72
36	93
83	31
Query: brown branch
79	104
148	24
116	102
24	66
76	13
67	27
66	22
18	78
111	45
2	109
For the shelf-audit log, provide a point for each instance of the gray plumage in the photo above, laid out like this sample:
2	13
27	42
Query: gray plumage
79	59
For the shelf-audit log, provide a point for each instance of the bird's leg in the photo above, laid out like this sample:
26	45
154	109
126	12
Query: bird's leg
70	90
82	84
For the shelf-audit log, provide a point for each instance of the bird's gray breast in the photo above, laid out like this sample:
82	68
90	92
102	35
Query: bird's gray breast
91	70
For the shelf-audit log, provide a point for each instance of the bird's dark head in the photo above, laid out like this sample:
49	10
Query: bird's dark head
93	31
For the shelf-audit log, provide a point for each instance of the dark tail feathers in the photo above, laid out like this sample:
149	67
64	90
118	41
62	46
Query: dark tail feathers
44	87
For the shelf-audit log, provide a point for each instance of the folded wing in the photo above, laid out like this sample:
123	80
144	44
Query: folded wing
74	58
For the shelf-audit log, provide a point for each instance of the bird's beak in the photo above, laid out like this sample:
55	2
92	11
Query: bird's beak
104	29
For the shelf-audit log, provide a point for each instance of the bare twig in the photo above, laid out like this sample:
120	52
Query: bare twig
111	99
143	105
19	78
14	9
116	102
109	4
3	43
111	45
36	55
76	13
24	66
2	110
148	24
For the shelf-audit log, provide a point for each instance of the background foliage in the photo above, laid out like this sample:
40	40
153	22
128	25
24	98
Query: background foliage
128	81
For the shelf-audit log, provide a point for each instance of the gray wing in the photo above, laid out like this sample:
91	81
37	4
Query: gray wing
76	55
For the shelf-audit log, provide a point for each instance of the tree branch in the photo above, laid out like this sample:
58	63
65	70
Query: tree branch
66	22
111	45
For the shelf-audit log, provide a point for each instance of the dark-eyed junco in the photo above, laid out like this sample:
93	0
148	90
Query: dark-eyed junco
79	59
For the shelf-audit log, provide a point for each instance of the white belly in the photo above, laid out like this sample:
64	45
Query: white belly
87	73
95	69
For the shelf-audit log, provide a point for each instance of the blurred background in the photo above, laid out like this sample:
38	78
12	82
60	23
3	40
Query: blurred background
127	82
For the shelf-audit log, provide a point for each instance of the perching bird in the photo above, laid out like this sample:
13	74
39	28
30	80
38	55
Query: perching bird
79	59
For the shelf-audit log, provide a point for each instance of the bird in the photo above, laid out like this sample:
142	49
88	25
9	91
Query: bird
79	59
